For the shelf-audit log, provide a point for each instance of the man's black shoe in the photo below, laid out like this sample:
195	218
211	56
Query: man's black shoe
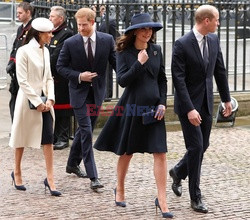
107	99
95	184
76	170
60	145
199	206
176	185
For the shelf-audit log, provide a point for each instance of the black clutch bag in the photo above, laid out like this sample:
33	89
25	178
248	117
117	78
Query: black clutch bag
149	118
44	99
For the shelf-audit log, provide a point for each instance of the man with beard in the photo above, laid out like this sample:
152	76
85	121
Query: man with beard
83	61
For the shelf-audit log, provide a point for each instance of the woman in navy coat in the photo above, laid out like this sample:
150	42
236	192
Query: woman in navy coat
141	71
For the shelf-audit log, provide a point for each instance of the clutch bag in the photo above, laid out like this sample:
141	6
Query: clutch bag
44	99
149	118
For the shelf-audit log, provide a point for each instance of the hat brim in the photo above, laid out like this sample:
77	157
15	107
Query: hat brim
42	24
154	25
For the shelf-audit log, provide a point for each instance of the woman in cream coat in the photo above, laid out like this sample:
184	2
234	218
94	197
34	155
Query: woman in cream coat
34	127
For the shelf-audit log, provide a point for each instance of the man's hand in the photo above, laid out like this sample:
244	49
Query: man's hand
194	117
87	76
227	111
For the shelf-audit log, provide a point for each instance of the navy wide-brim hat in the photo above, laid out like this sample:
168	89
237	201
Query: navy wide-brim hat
143	21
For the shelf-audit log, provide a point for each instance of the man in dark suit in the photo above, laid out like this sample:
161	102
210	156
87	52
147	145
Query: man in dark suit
83	61
109	27
195	60
24	15
63	110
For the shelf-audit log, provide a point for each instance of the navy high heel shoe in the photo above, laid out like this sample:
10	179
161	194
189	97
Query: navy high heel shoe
122	204
21	187
164	214
52	192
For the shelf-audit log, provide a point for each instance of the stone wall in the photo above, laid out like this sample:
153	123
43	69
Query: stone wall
242	98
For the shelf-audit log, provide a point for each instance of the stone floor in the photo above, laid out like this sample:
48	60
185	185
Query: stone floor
225	181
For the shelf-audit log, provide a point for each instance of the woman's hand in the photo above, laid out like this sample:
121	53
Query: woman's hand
160	112
142	56
41	107
45	107
49	103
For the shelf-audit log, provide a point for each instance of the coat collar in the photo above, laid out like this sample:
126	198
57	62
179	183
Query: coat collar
151	53
33	42
92	37
25	29
197	49
62	26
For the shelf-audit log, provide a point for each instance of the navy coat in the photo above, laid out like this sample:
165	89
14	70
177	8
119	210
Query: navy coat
145	88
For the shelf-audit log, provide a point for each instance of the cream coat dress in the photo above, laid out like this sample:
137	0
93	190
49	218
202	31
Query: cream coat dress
27	125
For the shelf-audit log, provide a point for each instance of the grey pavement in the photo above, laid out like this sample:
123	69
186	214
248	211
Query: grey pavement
225	181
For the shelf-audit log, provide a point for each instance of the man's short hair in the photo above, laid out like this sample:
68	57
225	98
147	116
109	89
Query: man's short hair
85	12
60	11
205	11
26	7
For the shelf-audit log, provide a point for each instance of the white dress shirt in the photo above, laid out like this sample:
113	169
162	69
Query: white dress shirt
200	39
93	46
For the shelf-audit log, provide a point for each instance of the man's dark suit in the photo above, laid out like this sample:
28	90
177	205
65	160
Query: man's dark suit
11	67
63	110
112	29
194	90
71	62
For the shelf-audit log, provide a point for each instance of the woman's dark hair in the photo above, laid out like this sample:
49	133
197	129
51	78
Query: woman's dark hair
32	33
127	40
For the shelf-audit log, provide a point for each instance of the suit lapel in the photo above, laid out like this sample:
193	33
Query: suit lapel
152	54
81	48
82	53
209	50
197	50
98	48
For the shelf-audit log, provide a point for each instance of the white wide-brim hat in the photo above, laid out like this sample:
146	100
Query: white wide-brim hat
42	24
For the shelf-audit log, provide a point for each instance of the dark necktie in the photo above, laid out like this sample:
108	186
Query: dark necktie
90	53
205	52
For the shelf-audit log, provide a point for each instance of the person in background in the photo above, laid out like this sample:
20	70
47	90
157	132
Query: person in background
196	59
83	61
141	71
34	127
63	110
110	29
24	15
